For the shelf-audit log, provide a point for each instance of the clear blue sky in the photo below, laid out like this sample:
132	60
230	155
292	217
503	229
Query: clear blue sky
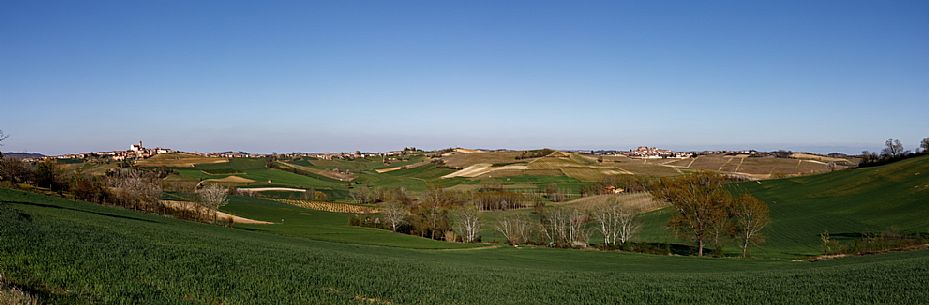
268	76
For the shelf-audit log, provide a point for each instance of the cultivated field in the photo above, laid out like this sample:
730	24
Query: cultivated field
317	258
62	249
332	207
178	160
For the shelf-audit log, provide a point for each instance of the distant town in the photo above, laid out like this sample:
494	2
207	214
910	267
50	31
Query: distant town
137	151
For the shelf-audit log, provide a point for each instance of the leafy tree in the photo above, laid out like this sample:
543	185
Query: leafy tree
320	196
924	144
46	175
700	201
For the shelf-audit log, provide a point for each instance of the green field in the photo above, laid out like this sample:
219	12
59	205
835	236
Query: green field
75	252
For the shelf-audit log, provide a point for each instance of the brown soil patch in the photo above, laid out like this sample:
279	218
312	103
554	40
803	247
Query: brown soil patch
333	207
230	179
641	201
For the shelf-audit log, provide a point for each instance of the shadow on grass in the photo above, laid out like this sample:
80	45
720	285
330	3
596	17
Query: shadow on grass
43	205
666	249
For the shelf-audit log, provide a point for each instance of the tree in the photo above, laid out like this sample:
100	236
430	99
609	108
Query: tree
3	136
553	193
432	210
617	223
395	214
14	170
133	189
320	196
362	194
699	201
46	175
467	222
721	226
869	157
751	216
213	197
924	144
565	227
892	148
516	229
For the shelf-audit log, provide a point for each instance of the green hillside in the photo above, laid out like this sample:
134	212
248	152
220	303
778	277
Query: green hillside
72	252
846	203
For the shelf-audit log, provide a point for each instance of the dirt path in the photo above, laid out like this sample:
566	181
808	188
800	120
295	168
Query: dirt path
724	164
469	249
480	169
265	189
414	165
187	205
740	164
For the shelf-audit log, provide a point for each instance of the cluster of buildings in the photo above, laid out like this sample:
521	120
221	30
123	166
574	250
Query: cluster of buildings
645	152
322	156
135	151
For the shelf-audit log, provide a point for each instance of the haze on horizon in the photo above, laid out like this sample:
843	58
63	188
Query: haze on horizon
281	76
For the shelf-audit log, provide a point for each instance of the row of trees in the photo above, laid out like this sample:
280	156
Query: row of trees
707	211
628	183
129	188
437	213
893	151
457	216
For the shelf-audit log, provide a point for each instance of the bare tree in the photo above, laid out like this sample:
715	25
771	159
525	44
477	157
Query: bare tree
467	221
3	136
362	194
133	189
395	214
565	227
516	229
617	222
751	216
629	224
892	148
213	197
578	235
869	157
924	144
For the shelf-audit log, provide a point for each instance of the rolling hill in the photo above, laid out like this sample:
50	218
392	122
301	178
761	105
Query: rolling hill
73	252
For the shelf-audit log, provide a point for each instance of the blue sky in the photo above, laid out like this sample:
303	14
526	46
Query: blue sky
269	76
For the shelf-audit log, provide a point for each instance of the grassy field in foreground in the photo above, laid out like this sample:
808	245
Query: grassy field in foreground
78	253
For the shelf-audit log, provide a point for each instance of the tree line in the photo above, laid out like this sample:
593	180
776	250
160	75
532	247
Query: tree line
707	211
893	151
129	188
